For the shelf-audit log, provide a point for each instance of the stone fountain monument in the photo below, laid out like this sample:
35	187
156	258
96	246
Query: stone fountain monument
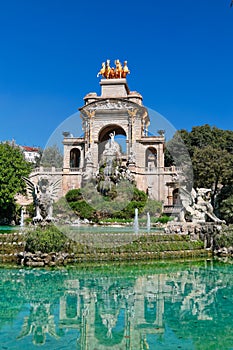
117	113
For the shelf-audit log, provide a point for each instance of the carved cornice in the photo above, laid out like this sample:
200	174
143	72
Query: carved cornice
112	105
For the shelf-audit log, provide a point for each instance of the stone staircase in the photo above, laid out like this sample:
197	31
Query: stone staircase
146	246
142	247
10	245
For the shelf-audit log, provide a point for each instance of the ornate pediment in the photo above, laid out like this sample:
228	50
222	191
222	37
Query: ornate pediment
112	105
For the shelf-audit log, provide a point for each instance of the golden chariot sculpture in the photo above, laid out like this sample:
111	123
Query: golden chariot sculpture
116	72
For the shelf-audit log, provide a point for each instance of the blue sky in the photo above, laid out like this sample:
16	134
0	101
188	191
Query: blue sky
180	54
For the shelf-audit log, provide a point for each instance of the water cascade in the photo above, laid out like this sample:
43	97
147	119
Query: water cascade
148	222
22	218
136	226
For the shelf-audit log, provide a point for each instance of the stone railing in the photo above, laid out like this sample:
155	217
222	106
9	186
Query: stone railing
42	170
173	169
172	209
158	170
49	170
72	170
53	171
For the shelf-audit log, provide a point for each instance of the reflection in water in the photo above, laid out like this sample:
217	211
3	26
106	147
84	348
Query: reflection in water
39	322
157	305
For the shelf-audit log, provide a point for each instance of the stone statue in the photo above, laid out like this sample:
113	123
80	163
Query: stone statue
132	157
132	113
110	322
111	148
43	194
112	135
197	205
88	165
89	157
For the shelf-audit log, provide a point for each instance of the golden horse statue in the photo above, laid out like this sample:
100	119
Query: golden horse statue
102	70
118	72
125	70
107	69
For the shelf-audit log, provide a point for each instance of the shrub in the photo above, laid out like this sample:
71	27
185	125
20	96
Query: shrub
82	209
164	219
46	240
30	210
138	201
224	239
153	207
118	220
226	209
107	206
74	195
139	196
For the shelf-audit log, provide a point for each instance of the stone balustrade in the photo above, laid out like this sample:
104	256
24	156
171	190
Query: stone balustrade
42	170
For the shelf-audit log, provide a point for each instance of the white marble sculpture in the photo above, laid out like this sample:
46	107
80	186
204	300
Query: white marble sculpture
43	193
197	204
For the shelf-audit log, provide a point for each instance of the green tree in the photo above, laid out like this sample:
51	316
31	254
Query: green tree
226	210
212	167
12	167
223	206
198	137
38	158
211	153
205	135
52	156
177	151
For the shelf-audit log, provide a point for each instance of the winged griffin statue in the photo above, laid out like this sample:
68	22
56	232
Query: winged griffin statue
197	205
43	194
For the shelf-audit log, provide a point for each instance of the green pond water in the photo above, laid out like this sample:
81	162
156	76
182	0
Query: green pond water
156	305
9	229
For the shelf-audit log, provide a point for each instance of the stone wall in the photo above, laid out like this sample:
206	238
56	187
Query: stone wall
201	231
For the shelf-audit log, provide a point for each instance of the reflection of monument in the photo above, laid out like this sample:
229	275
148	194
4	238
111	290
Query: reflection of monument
38	323
82	309
117	114
125	314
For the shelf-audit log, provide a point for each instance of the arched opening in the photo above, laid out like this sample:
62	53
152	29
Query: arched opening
71	306
149	310
176	197
151	158
114	133
74	158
